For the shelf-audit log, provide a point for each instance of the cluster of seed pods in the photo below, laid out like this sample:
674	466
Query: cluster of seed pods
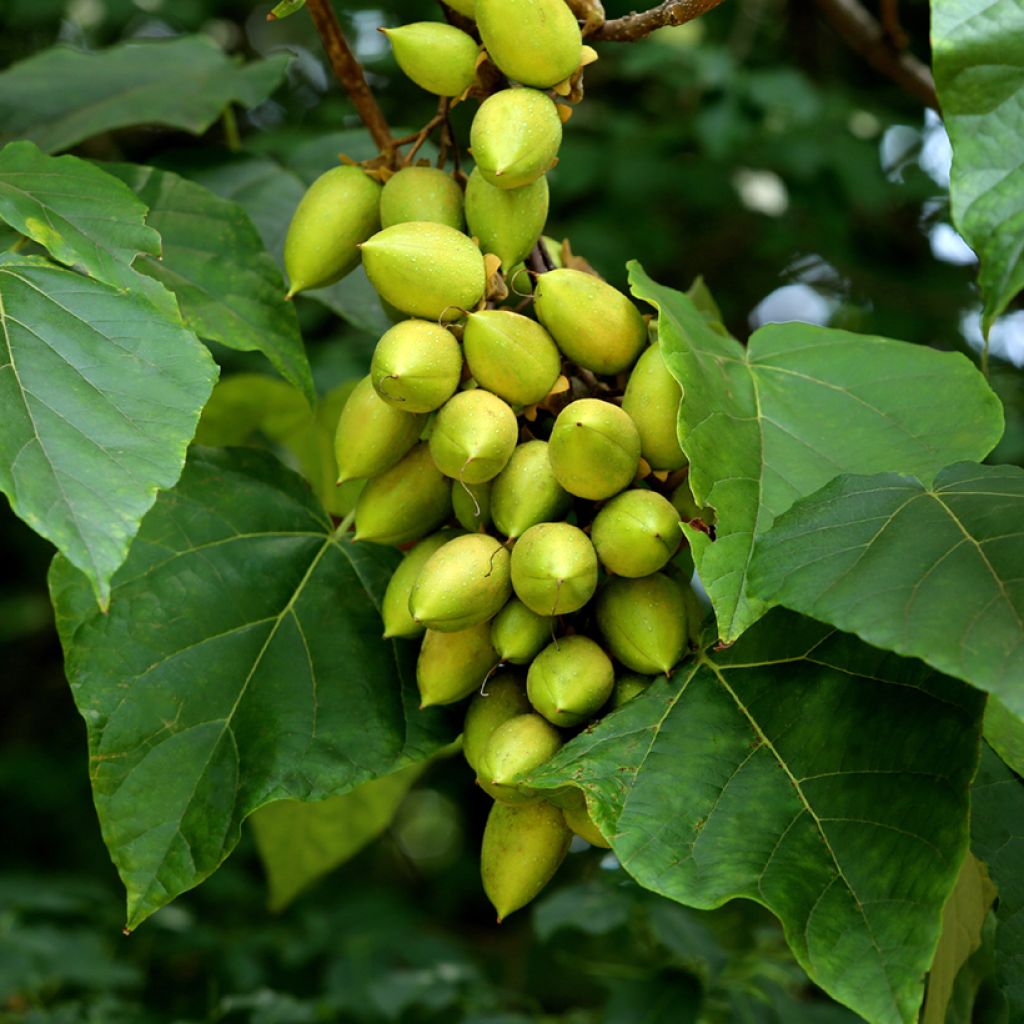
528	465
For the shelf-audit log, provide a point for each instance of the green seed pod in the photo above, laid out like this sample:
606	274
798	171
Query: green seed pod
452	665
506	221
536	42
515	137
523	846
340	210
570	680
416	366
526	491
474	436
687	507
636	533
462	584
464	7
627	687
511	355
472	505
503	697
394	608
422	194
404	503
652	398
594	324
424	269
643	622
554	251
515	748
519	634
594	449
372	436
554	568
577	817
437	57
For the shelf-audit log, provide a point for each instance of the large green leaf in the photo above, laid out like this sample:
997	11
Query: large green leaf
213	260
100	397
933	572
978	55
801	769
768	424
241	663
997	837
1004	733
62	96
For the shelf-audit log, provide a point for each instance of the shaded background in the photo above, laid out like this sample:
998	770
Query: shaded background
751	147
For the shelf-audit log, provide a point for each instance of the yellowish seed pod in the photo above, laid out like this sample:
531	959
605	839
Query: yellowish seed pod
554	568
570	680
472	505
520	634
536	42
503	697
507	222
394	607
594	449
452	665
404	503
416	366
526	492
636	533
629	686
372	435
594	324
644	622
515	748
687	507
463	583
652	398
523	846
515	137
437	57
464	7
426	270
421	194
474	436
511	355
577	817
339	210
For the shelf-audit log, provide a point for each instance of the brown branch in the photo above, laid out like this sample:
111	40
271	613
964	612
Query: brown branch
349	72
864	34
636	26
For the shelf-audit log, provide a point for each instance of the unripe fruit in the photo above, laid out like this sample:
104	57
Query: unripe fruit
424	269
636	533
422	194
339	210
643	622
594	449
570	680
526	491
464	7
372	435
437	57
594	324
577	817
523	846
394	608
687	507
463	583
519	634
627	687
554	568
515	137
507	222
536	42
515	748
511	355
652	398
503	697
416	366
474	436
452	665
472	505
404	503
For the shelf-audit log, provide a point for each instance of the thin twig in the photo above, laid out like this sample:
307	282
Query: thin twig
890	14
349	72
864	34
636	26
424	133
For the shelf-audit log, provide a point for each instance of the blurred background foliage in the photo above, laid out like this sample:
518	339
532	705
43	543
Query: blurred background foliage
752	147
